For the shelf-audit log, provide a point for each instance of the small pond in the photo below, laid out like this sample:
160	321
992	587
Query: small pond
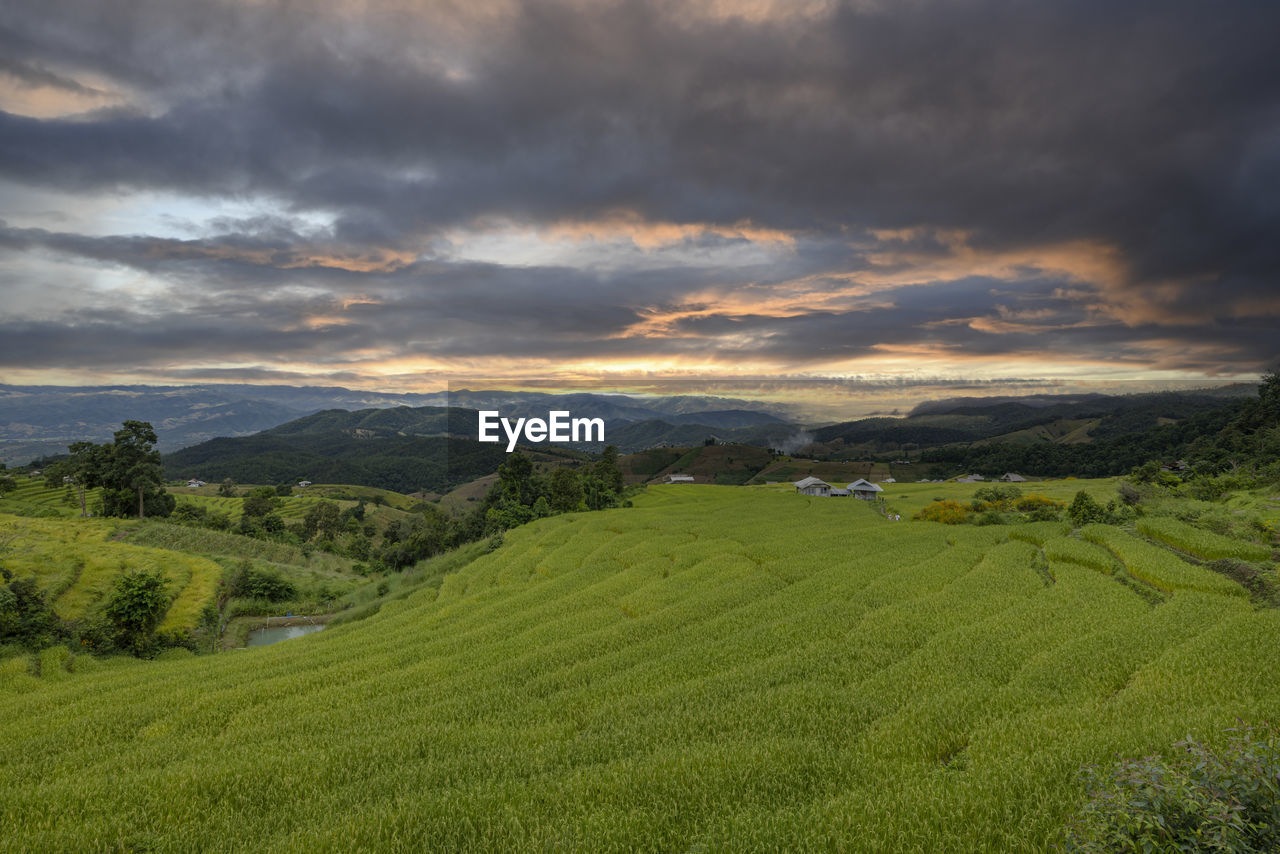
266	637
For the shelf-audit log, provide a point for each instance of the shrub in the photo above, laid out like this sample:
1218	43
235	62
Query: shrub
946	512
187	513
1040	508
1084	510
137	602
1000	496
1202	800
25	614
248	582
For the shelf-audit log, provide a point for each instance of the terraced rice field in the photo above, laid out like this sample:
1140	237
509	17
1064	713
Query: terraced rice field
292	508
1202	544
716	669
31	497
76	563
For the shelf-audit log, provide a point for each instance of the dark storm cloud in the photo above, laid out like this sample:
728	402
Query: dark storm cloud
262	273
1150	127
34	75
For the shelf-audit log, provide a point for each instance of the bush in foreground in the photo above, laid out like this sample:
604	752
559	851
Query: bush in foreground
1203	800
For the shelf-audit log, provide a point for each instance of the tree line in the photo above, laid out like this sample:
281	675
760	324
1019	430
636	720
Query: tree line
1245	434
520	494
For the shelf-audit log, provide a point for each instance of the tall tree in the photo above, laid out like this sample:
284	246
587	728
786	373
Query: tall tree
82	470
566	490
128	470
134	469
607	469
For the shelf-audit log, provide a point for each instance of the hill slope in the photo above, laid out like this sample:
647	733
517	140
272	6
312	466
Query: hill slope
1044	419
402	449
37	420
722	668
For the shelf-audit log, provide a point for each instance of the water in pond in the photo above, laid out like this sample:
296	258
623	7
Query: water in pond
266	637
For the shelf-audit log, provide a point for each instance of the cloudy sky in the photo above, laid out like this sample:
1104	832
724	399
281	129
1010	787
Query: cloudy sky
395	194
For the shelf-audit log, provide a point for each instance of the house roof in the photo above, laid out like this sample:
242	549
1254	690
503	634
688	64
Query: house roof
839	492
811	481
863	485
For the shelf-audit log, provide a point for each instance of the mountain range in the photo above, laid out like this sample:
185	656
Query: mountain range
37	421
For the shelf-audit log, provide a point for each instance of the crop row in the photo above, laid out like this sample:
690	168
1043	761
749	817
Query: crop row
31	497
291	508
1202	544
1081	552
1156	566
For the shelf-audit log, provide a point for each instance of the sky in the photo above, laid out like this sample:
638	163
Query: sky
996	194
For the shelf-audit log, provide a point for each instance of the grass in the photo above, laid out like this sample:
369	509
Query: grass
204	541
714	669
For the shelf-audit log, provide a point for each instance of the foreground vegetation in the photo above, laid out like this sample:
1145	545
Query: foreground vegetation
713	669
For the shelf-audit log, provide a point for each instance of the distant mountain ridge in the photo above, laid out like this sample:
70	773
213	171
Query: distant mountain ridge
43	420
40	420
225	431
993	420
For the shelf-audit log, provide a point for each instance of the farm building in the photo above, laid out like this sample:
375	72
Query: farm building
813	486
839	493
304	483
1013	477
970	478
888	480
194	482
679	478
864	489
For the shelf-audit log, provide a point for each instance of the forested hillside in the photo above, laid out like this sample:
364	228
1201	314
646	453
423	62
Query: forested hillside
380	448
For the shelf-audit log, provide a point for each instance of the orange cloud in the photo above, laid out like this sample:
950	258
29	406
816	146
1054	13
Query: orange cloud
51	99
631	226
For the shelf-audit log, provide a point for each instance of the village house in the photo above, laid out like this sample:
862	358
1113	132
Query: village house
813	486
970	478
864	489
679	478
1013	477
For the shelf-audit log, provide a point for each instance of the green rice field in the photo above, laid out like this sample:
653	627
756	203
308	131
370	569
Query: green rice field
76	563
714	669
